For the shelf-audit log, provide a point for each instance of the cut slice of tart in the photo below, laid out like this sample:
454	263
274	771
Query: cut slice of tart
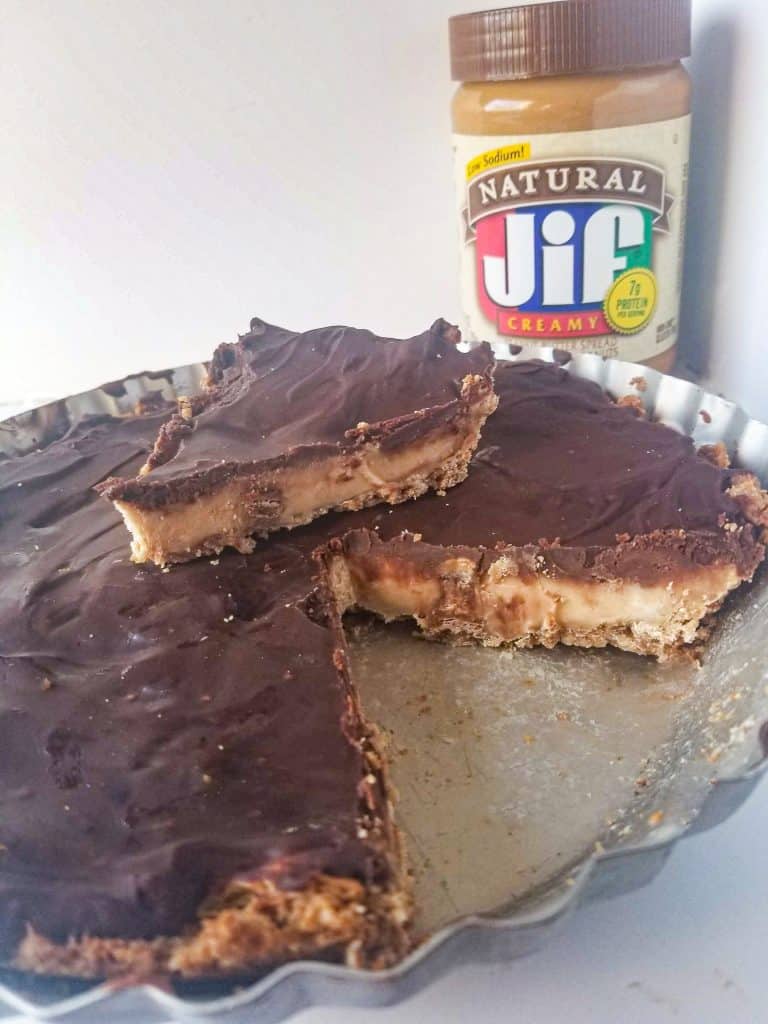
580	522
294	424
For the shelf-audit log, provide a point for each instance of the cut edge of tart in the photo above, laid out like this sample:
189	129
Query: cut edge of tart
521	597
651	594
178	512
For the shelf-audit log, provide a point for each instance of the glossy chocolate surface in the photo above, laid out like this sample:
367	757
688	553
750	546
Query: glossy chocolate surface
277	395
563	473
160	732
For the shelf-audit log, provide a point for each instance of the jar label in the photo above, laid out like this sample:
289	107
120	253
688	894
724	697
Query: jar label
574	240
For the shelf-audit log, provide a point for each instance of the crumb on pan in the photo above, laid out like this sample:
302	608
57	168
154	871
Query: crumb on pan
717	454
632	402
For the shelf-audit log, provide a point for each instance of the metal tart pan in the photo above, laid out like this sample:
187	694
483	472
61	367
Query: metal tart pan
530	782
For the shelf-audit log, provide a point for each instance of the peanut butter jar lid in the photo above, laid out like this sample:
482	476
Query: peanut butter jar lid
568	36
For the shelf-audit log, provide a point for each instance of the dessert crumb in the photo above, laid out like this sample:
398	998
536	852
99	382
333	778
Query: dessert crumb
717	454
632	402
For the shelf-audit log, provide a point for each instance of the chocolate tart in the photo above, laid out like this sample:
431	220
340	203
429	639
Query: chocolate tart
189	784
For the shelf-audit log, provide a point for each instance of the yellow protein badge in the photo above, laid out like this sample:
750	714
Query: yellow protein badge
631	300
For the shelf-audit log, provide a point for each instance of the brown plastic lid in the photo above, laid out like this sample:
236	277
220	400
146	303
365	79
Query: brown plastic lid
568	36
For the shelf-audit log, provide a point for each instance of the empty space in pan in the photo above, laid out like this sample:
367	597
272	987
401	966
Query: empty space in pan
512	767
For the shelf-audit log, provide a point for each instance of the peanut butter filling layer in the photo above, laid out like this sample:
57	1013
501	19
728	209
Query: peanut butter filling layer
458	597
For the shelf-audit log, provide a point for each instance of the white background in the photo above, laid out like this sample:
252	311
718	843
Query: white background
170	168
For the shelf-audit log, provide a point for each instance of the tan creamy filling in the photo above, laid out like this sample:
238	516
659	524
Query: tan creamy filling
503	607
292	496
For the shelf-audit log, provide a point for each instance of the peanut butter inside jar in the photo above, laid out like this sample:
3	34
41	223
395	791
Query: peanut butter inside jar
571	136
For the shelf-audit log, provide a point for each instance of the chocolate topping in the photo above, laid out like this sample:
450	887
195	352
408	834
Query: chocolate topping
160	732
164	731
277	395
560	464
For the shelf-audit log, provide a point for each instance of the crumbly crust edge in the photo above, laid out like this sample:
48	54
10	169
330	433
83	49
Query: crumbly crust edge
254	925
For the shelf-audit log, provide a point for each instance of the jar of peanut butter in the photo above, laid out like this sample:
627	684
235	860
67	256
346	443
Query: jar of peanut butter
571	137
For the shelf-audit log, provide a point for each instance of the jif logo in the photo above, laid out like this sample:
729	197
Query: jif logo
566	258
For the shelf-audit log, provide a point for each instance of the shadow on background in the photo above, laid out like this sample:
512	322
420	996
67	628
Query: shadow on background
712	70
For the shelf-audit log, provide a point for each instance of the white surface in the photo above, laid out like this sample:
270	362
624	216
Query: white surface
727	253
170	168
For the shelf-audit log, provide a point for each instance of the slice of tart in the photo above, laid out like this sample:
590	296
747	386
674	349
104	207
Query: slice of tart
294	424
580	523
